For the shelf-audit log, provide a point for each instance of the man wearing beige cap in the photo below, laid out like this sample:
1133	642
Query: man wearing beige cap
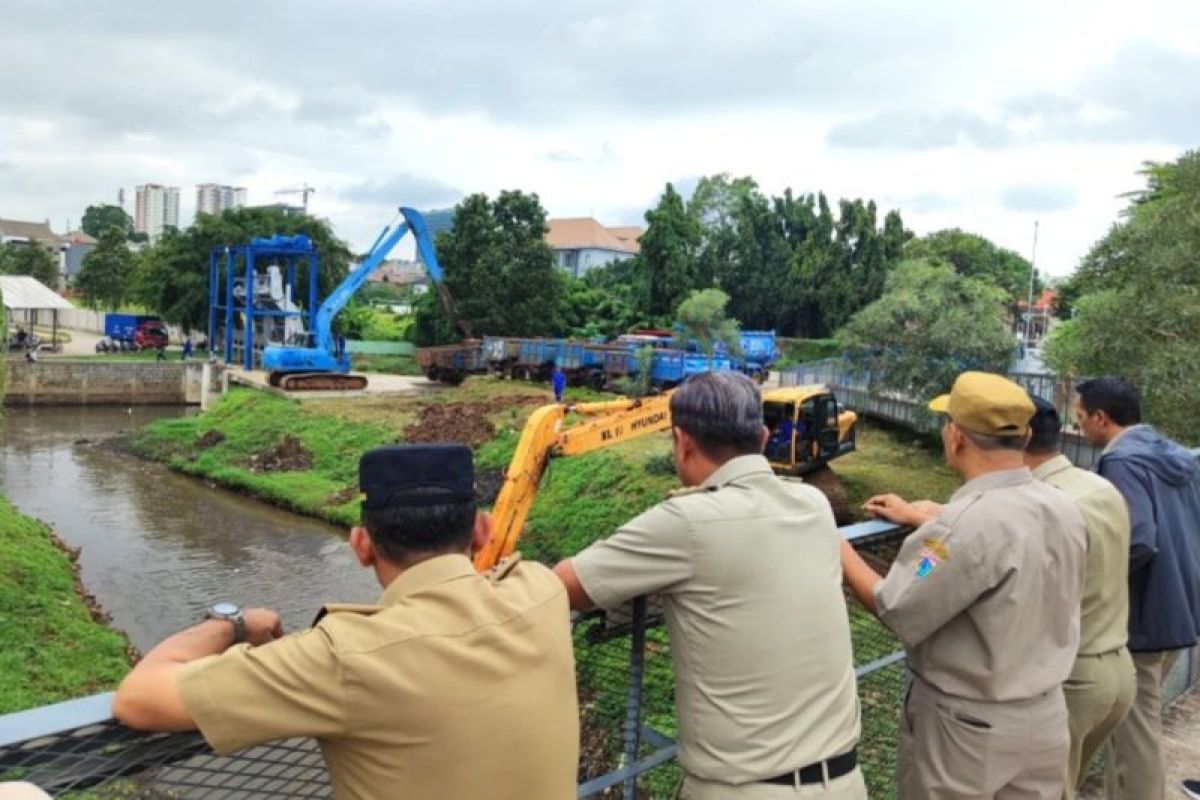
985	596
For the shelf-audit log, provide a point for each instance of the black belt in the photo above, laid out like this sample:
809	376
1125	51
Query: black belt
834	767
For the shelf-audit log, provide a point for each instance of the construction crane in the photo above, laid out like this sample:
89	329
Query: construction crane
304	190
325	365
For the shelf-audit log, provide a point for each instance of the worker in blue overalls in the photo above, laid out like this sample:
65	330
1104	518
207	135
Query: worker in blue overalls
559	380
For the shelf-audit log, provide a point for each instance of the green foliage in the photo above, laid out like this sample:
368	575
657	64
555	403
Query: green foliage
1138	308
667	261
103	279
973	256
498	268
367	323
171	278
592	310
789	263
53	650
930	324
98	219
702	316
800	351
28	259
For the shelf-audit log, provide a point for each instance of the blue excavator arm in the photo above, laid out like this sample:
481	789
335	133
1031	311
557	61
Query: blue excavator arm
324	357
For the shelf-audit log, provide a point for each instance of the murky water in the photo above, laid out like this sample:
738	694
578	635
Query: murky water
158	547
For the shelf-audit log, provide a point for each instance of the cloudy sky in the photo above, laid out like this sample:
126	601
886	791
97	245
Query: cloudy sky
984	115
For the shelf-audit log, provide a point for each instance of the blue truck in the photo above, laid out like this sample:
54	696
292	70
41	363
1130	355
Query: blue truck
132	332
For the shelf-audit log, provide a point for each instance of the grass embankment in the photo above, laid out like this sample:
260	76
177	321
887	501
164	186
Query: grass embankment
580	500
53	648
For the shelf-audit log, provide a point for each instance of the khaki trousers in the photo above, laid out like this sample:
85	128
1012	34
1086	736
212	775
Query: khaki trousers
955	749
1136	767
1098	694
848	787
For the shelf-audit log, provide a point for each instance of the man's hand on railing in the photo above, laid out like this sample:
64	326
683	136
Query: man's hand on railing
149	699
895	508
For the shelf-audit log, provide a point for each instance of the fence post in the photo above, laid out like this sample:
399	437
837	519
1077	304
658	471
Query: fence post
633	703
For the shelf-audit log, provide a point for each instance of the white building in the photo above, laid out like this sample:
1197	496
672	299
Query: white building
582	243
157	208
213	198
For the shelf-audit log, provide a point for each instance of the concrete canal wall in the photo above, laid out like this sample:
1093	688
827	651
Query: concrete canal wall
61	382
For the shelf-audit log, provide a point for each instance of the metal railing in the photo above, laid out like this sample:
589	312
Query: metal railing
76	750
859	390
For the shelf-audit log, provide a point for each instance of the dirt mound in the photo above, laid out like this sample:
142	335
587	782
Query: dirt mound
465	423
343	497
211	438
287	456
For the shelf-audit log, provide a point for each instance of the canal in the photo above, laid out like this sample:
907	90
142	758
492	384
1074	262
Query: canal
158	547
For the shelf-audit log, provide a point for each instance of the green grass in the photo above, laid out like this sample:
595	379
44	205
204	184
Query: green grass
890	459
53	650
392	364
253	422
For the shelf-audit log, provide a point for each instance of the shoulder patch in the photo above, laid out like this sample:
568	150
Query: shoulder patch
346	608
933	552
503	568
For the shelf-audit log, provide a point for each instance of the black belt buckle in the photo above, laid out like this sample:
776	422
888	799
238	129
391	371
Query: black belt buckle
835	767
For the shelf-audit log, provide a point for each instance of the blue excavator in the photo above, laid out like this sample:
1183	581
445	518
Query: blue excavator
323	365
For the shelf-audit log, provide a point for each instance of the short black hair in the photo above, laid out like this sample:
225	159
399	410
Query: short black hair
722	411
991	443
400	532
1045	429
1116	397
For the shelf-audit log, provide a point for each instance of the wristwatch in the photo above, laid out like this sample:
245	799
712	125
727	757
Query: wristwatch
231	612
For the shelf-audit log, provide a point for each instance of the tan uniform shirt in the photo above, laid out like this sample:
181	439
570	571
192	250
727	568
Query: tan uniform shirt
457	686
986	595
1104	618
749	571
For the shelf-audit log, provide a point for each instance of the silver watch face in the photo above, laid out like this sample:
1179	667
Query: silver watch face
225	609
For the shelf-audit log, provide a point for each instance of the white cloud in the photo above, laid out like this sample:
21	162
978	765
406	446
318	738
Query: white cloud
977	118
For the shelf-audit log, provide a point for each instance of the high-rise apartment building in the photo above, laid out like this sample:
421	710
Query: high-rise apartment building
213	198
157	208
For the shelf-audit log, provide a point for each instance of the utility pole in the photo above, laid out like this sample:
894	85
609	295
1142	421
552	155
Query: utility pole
1032	273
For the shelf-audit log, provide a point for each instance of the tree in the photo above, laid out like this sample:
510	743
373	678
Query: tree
930	324
974	256
1138	309
171	278
592	311
702	316
29	259
98	219
498	268
667	261
103	278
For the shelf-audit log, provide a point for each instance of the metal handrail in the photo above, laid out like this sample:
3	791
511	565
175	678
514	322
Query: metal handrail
77	744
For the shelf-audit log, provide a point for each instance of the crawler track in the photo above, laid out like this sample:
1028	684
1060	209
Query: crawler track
318	382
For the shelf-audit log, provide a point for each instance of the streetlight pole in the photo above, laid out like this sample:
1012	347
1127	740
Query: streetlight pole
1032	273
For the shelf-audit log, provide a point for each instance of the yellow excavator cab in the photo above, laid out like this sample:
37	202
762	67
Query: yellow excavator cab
807	428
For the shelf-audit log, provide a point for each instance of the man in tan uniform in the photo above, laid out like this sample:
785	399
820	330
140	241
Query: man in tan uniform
455	685
747	567
985	596
1101	687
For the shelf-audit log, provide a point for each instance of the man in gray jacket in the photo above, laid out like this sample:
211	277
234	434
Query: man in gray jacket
1160	480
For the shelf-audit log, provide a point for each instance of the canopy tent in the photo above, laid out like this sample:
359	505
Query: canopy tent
25	298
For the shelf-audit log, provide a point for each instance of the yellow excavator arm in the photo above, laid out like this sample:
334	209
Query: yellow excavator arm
543	437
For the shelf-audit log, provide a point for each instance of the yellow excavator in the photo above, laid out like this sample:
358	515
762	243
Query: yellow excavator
807	428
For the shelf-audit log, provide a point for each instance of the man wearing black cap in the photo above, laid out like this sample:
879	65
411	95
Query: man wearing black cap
1102	686
454	685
